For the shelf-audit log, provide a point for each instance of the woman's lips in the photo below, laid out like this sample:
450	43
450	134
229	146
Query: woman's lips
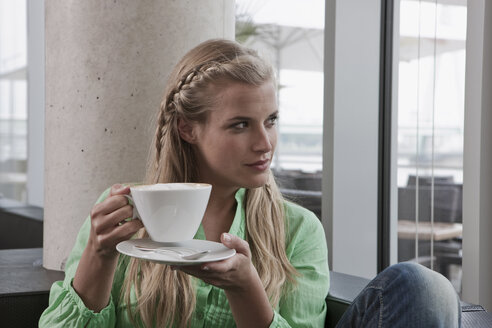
260	165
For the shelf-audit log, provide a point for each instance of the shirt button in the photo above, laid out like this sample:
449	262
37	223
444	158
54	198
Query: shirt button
199	315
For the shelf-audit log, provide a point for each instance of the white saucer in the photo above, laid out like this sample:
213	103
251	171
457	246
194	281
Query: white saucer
217	251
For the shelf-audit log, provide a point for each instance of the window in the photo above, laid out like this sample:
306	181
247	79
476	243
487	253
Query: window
292	39
13	99
430	134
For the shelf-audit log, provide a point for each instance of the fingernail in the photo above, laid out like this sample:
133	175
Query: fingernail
227	237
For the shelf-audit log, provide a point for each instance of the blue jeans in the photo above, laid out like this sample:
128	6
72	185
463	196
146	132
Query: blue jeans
405	295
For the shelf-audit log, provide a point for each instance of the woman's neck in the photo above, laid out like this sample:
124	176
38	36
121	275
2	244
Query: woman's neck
220	213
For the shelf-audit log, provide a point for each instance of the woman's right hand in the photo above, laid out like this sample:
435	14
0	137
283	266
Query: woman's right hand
95	272
108	225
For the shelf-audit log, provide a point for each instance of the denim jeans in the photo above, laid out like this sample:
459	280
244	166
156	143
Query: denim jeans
405	295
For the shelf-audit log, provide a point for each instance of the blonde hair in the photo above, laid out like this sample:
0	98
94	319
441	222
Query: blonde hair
166	297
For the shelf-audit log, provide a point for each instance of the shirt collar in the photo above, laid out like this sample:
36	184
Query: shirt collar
238	226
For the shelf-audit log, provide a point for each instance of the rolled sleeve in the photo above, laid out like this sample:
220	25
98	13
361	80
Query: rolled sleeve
278	321
68	310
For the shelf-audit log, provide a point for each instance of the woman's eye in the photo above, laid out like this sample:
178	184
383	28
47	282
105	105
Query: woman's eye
240	125
272	120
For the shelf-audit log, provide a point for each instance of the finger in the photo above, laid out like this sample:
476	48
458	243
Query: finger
214	282
109	221
219	279
119	189
193	271
228	265
120	233
211	278
241	246
121	215
200	270
109	205
197	273
128	229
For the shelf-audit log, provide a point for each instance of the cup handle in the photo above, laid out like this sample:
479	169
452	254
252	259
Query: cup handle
132	203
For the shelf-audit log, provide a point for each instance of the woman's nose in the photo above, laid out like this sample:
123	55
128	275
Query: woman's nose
262	141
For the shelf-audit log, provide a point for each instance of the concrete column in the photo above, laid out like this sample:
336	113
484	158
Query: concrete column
106	66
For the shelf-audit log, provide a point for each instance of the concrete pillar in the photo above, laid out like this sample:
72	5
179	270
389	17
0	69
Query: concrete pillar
106	66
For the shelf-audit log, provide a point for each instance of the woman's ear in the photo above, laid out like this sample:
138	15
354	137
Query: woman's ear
186	131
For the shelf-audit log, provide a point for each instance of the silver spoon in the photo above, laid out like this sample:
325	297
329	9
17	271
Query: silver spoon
194	256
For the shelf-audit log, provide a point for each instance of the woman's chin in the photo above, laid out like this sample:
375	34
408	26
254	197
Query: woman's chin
254	186
257	182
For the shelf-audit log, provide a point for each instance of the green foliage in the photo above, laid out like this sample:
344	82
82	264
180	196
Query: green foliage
245	28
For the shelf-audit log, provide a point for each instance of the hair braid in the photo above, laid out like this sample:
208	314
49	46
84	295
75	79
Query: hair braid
171	109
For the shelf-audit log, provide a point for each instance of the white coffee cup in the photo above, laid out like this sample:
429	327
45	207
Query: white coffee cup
170	212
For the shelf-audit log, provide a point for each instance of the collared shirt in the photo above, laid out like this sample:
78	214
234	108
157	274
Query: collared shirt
303	307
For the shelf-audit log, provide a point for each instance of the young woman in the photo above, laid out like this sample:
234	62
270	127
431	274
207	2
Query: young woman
217	124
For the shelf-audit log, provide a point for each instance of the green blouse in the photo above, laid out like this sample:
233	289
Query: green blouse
303	307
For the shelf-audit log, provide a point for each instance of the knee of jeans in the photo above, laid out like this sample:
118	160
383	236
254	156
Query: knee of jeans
428	288
422	279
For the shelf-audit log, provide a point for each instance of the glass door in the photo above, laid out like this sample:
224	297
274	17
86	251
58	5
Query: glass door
431	75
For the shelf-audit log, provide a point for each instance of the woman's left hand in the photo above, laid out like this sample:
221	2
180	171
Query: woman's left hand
236	273
238	277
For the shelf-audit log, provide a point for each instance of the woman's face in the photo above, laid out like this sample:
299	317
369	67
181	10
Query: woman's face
235	145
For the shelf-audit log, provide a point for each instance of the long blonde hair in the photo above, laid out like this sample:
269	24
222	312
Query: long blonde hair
165	297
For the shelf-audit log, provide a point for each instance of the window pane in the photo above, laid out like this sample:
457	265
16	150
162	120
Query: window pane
292	40
430	134
13	99
300	146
